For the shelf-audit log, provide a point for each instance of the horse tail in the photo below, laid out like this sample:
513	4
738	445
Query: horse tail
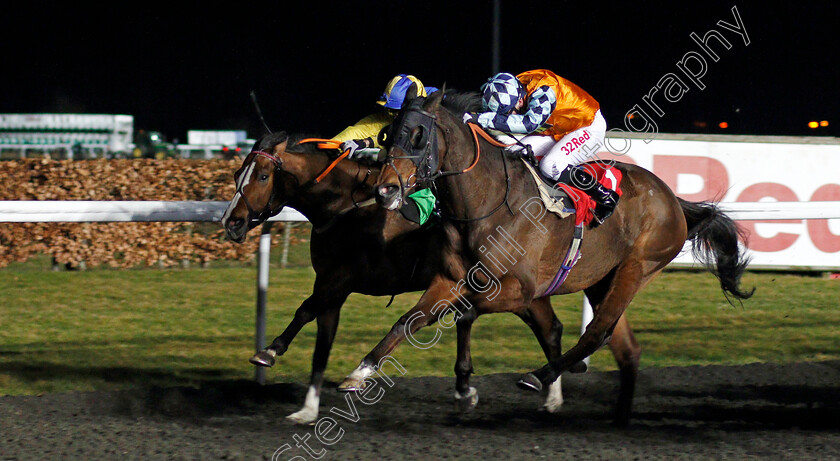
714	242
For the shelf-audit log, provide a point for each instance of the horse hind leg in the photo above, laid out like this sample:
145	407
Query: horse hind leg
609	298
627	353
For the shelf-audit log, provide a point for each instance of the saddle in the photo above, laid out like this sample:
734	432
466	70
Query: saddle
564	198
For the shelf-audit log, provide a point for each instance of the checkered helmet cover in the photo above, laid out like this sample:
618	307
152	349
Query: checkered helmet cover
501	93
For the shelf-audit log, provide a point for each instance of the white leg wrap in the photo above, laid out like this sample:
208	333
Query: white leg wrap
361	372
355	381
554	399
309	413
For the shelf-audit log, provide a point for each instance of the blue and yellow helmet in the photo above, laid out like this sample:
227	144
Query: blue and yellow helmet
396	88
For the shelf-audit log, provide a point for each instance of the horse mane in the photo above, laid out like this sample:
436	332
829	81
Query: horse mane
461	102
268	141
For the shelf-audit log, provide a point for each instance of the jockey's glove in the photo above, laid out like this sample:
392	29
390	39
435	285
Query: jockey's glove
470	118
354	145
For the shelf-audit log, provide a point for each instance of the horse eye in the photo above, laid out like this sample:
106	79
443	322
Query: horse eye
263	177
416	138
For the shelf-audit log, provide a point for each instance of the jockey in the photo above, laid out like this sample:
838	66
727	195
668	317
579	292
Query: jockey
561	122
365	134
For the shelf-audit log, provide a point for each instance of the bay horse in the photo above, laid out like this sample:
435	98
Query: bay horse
353	248
485	195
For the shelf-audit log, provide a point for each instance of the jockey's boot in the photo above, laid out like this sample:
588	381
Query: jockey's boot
605	198
605	201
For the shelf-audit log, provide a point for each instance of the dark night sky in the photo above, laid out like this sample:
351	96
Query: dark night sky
318	66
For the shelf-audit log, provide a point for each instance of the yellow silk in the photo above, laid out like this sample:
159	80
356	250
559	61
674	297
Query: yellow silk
368	127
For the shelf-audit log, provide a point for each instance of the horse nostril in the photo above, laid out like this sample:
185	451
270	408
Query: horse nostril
236	223
387	190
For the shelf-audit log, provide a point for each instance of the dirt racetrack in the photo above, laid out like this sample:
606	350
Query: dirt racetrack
758	411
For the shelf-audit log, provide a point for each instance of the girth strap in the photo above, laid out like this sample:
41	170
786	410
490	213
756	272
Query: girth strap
569	261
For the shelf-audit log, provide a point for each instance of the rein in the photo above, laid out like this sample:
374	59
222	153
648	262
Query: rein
326	144
476	131
356	205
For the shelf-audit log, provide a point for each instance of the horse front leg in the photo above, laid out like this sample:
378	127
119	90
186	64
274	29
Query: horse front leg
327	326
321	300
434	303
466	396
548	330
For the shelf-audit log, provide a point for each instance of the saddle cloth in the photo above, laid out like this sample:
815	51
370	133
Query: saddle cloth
554	199
564	199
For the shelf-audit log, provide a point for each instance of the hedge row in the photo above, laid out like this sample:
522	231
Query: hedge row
119	244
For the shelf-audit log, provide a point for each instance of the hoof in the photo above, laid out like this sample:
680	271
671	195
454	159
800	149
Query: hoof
351	385
466	403
305	416
263	359
530	382
579	367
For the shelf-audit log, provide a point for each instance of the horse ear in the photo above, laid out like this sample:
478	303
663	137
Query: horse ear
410	94
281	147
434	99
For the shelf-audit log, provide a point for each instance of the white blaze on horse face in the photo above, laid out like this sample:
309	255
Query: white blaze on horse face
241	182
231	206
245	178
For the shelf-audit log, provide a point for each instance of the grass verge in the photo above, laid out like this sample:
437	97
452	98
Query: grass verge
111	329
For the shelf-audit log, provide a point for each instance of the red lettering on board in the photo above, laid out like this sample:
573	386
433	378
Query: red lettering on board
713	172
781	240
818	229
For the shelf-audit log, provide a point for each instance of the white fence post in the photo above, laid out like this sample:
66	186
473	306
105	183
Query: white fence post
585	317
262	294
287	237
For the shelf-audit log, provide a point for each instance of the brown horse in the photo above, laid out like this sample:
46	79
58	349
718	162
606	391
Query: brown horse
488	196
354	249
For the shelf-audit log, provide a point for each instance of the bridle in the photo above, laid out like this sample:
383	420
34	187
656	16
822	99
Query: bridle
422	149
256	217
